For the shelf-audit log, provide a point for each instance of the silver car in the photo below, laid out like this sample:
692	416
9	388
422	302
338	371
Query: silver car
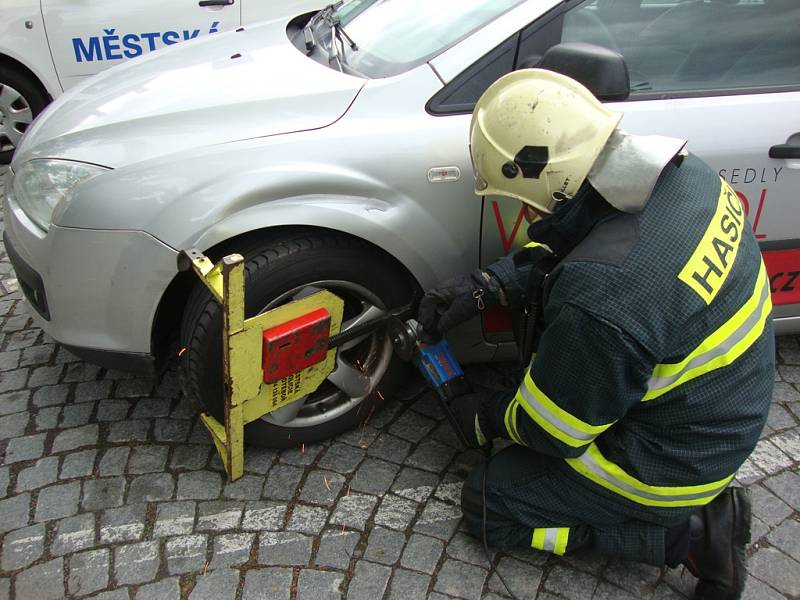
331	151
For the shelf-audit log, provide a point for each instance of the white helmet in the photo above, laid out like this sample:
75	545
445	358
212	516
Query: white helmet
535	135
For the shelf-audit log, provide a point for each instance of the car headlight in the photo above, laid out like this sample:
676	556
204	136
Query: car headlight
42	183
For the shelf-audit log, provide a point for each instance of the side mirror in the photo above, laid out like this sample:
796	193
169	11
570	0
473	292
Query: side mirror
601	70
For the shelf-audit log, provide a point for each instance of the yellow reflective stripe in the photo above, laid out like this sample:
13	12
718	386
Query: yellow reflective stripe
722	347
514	423
553	419
593	465
532	245
550	539
511	421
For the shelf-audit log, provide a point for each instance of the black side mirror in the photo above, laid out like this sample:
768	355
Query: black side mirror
601	70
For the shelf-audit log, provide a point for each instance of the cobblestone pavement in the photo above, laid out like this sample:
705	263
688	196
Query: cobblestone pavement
110	486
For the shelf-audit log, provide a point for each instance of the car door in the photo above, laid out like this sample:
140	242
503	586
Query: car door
88	36
721	74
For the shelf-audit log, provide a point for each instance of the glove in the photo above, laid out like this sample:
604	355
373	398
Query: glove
457	300
466	410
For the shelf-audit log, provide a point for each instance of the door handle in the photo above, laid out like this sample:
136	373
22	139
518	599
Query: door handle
785	151
205	3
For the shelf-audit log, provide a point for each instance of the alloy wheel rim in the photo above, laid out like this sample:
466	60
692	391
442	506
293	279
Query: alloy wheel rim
16	116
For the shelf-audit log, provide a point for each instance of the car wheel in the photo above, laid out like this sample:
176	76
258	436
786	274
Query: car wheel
21	100
276	272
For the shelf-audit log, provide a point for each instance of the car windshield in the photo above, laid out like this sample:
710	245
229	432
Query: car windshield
393	36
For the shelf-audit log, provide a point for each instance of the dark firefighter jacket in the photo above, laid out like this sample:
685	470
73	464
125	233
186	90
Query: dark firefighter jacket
653	374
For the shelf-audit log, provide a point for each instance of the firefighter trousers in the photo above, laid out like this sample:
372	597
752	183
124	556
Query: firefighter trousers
537	501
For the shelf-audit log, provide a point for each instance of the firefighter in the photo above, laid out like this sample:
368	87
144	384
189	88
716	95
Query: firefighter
653	369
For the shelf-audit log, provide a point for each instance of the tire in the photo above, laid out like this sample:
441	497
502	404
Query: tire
275	271
21	100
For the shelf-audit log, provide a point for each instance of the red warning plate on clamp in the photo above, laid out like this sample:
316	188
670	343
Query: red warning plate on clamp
783	267
295	345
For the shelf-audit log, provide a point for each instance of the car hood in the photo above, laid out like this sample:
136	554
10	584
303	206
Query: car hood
225	87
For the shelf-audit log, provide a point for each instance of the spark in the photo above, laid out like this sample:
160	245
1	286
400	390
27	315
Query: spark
205	568
302	448
327	485
181	351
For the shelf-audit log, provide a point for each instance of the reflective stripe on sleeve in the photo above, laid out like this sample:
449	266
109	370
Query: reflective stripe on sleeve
593	465
511	421
722	347
553	419
550	539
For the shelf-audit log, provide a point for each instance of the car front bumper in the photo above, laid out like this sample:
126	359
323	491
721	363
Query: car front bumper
94	291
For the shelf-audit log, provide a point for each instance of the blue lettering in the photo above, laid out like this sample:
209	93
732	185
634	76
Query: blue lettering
170	37
92	53
190	35
111	44
151	39
131	43
214	26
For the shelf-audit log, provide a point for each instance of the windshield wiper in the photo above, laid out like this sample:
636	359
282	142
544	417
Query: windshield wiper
338	33
323	15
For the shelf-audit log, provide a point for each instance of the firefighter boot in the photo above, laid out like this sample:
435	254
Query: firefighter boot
720	532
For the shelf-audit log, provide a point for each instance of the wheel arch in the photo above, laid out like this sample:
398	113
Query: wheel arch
11	62
169	311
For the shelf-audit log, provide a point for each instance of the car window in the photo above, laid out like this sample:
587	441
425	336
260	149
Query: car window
396	35
694	46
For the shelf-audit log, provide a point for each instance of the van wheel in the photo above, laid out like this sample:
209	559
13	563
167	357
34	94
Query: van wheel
276	272
21	100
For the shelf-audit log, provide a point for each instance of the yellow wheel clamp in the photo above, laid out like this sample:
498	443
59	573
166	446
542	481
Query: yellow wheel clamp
268	361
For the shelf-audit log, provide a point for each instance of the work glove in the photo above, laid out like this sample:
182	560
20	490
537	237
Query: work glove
457	300
466	410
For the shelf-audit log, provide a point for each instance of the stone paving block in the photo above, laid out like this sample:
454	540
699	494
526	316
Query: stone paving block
44	581
186	553
24	448
387	413
78	437
150	408
73	534
780	418
408	584
786	537
638	578
438	519
321	487
523	580
587	561
749	473
431	456
184	409
5	588
218	515
389	448
778	570
88	571
395	512
50	395
76	415
42	473
789	443
165	589
769	458
153	487
47	418
44	376
136	563
321	585
384	545
282	482
93	390
105	492
14	402
22	547
467	549
134	388
58	501
14	425
460	579
231	549
786	486
216	585
78	464
171	430
606	591
415	484
353	511
664	592
114	461
369	581
80	371
308	519
263	515
768	507
341	458
757	590
249	487
302	456
174	518
374	476
200	435
560	580
259	460
199	485
422	553
284	548
22	339
129	431
9	360
362	436
275	584
5	479
148	459
412	426
190	458
124	524
14	380
336	549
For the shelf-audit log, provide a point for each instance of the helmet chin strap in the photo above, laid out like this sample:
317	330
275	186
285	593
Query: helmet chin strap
628	167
